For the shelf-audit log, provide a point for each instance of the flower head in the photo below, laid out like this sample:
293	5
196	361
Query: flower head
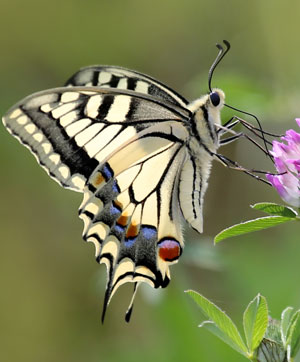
287	162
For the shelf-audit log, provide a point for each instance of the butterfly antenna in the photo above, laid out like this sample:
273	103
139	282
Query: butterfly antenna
220	56
259	125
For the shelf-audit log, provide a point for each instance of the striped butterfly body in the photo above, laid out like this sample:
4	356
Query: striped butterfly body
139	153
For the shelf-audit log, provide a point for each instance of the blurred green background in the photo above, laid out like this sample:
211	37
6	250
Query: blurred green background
51	287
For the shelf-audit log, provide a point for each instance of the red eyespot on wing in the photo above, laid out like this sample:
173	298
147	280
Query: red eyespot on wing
169	249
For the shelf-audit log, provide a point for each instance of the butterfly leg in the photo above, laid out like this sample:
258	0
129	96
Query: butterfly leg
235	166
232	122
240	135
227	128
228	140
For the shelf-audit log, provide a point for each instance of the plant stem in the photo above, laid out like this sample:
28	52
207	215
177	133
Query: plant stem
253	358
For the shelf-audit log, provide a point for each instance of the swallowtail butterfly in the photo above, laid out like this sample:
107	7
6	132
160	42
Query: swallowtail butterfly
140	154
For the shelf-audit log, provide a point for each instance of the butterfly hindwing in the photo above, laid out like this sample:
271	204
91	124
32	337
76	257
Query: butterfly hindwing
125	79
130	209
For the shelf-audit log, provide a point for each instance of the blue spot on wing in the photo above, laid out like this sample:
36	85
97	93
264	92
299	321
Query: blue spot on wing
148	232
119	228
107	172
130	241
114	210
115	187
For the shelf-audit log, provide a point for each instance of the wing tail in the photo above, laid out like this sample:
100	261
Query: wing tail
136	233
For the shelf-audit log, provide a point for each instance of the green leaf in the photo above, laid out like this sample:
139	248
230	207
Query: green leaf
255	322
294	333
275	209
214	329
228	331
250	226
286	317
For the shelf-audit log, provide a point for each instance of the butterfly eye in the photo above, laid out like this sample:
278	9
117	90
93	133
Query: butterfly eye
214	98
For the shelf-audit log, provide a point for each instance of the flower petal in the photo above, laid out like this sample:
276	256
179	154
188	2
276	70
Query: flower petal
287	162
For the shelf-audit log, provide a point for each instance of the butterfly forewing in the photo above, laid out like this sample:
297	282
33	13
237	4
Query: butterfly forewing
41	123
126	79
71	130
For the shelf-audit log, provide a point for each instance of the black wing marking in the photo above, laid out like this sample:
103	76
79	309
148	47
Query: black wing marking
71	129
130	209
126	79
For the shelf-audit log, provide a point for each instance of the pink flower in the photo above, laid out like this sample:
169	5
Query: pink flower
287	161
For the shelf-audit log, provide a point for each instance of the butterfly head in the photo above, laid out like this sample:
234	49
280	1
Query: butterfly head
217	98
206	110
214	104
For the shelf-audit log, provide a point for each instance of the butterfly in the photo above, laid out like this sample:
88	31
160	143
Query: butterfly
141	155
